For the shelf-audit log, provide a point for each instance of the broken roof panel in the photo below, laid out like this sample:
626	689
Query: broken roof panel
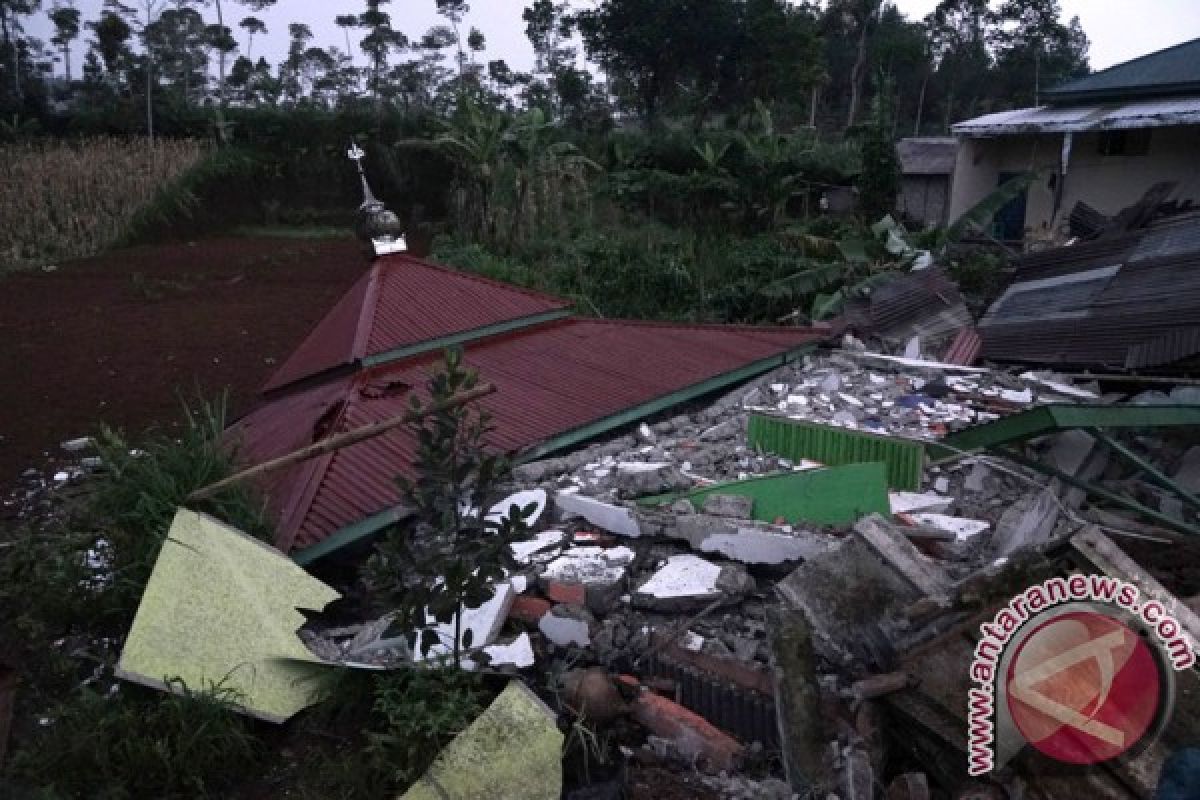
1079	119
1133	305
556	380
403	304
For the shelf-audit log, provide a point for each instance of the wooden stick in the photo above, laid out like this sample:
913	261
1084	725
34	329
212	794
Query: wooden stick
337	442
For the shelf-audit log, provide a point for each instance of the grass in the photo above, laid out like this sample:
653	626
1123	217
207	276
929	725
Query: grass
65	200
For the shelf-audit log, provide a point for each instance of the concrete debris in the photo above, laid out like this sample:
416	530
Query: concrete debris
688	583
482	624
1027	523
728	505
908	502
615	519
745	541
528	551
568	625
962	528
534	497
599	571
635	479
517	653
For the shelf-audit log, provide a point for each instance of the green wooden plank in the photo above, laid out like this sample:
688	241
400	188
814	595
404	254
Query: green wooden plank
798	439
833	496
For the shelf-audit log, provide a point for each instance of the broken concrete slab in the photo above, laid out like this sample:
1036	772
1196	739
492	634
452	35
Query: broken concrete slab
243	636
600	571
963	528
534	497
1027	523
513	749
748	542
688	582
907	502
568	625
517	653
612	518
527	551
853	596
798	704
482	624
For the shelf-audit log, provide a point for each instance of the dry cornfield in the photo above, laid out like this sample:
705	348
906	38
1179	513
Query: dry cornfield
62	200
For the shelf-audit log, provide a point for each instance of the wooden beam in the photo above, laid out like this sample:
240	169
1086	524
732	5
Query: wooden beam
337	442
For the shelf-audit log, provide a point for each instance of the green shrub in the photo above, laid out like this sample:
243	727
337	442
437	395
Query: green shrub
136	742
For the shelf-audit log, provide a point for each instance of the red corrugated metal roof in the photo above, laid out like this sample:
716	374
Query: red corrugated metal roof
402	301
965	348
551	379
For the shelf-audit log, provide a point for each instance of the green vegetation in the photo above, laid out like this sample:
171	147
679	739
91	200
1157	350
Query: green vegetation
452	555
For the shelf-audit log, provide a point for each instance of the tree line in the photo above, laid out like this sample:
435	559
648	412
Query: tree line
653	62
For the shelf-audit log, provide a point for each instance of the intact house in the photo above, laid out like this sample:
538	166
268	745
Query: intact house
926	166
1103	140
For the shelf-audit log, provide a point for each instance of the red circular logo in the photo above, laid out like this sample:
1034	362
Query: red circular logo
1083	688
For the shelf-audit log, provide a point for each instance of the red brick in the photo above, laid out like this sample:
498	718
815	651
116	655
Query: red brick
569	593
529	609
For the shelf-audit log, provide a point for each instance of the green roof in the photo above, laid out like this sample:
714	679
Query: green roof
1173	71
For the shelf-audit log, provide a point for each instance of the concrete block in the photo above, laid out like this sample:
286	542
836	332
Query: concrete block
687	582
612	518
729	505
568	625
1027	523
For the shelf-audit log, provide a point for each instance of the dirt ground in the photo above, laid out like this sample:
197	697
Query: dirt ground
117	338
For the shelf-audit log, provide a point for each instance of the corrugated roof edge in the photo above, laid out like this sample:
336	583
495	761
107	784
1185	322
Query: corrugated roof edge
462	273
1063	93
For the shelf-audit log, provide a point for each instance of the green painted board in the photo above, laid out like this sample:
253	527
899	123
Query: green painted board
833	496
798	439
222	608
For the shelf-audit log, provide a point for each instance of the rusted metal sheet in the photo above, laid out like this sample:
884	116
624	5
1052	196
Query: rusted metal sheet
402	301
965	348
551	379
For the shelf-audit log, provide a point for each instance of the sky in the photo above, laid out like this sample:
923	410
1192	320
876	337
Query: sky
1118	29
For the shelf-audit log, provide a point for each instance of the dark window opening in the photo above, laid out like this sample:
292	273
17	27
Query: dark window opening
1124	143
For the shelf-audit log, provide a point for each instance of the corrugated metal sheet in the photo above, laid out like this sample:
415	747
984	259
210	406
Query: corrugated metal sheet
402	301
923	303
965	348
1059	261
551	379
1079	119
797	439
1131	303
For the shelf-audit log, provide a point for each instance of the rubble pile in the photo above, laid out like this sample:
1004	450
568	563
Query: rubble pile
724	635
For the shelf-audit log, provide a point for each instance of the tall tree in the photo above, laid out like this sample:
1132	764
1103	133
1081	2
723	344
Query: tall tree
958	34
111	41
346	22
142	17
253	26
454	11
299	35
1034	49
11	14
66	30
379	42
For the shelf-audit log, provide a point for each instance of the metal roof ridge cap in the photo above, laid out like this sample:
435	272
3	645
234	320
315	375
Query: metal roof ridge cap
366	314
525	324
474	276
714	326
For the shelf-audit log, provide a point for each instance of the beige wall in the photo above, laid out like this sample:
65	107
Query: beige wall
1107	183
923	198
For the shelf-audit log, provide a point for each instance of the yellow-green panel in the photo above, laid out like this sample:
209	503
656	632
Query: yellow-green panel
513	750
221	608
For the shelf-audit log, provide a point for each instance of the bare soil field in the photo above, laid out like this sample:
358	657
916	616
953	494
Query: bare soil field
120	338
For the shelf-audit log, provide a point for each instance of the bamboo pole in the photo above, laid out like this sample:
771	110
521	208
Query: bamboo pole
337	442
